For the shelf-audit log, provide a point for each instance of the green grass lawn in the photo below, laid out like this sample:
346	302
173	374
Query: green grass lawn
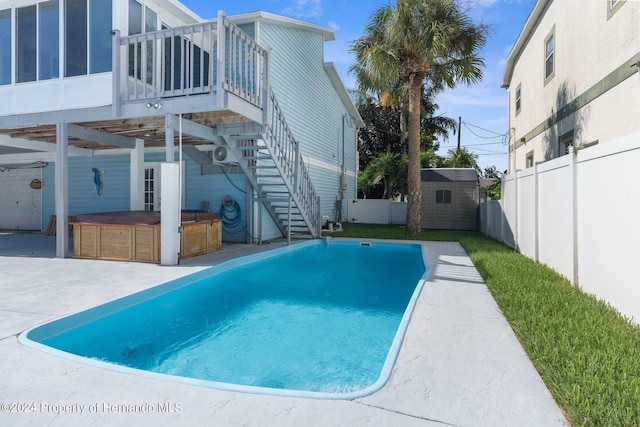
586	352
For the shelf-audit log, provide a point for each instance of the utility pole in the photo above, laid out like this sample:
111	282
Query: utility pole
459	129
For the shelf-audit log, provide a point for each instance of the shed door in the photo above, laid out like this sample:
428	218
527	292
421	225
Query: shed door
20	204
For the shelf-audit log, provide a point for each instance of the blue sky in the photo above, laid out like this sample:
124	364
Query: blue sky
483	107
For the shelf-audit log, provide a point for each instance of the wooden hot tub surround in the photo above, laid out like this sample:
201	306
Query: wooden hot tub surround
135	235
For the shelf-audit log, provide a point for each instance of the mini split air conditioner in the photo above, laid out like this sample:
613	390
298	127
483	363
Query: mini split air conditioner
222	154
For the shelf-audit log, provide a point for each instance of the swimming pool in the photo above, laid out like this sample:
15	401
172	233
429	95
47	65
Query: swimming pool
312	319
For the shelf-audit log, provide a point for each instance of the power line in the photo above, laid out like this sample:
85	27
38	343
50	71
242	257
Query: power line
504	137
497	134
485	143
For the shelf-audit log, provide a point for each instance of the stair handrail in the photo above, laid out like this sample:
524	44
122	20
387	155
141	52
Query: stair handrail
286	152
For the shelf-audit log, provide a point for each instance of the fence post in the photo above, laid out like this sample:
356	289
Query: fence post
502	208
574	209
516	206
536	232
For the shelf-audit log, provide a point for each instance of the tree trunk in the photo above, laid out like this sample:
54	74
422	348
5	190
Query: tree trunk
414	198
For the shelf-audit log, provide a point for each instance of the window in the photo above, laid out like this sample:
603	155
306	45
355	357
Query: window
75	40
518	97
141	20
565	142
87	29
37	42
443	196
549	50
5	47
26	44
613	6
99	36
529	159
48	40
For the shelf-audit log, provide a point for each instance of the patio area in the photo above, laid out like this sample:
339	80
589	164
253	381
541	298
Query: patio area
460	363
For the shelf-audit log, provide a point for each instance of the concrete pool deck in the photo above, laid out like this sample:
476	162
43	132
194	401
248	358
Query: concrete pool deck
460	363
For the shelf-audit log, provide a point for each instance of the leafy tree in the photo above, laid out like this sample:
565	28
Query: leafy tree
386	175
495	191
386	168
381	133
414	40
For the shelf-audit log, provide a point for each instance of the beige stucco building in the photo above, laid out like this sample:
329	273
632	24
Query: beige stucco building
573	78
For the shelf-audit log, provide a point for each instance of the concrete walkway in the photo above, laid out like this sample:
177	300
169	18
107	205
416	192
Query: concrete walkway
460	363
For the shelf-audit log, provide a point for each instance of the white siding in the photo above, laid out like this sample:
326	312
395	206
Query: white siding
313	110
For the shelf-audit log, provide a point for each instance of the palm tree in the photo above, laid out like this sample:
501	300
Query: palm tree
414	40
462	158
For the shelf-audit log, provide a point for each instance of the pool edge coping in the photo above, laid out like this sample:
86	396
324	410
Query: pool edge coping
383	378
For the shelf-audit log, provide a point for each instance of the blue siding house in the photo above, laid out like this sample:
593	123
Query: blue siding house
105	105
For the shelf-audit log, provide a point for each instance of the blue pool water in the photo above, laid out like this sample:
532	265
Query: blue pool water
310	319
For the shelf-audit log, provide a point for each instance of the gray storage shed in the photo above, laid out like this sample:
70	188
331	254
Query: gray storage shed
450	198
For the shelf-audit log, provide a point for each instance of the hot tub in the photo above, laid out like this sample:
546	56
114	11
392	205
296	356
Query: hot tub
135	235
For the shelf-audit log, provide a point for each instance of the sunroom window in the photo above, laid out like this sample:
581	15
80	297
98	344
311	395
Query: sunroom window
26	53
87	36
37	47
5	47
48	40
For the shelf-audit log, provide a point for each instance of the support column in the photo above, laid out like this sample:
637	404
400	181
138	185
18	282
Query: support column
136	177
168	138
61	181
170	208
251	206
169	214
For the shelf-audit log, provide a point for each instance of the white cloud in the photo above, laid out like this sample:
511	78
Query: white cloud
304	9
334	26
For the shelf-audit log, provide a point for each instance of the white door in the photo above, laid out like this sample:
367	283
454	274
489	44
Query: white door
152	186
21	199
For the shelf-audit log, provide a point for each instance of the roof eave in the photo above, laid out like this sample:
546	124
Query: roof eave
529	27
262	16
332	72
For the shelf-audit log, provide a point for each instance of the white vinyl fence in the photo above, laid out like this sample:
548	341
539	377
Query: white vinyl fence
377	211
580	215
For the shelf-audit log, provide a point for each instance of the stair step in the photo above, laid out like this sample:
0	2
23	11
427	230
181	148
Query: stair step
252	147
245	137
273	200
284	213
257	157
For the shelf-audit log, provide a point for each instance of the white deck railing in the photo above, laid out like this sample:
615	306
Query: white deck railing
185	61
